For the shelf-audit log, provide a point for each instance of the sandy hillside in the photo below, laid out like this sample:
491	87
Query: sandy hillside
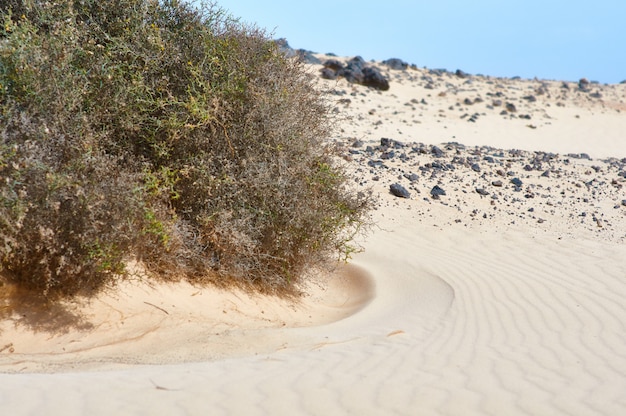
493	283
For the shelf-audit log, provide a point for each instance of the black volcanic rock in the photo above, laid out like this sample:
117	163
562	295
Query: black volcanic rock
328	73
302	54
352	75
583	84
400	191
437	152
355	71
437	191
510	107
413	177
308	57
388	155
397	64
372	77
517	183
333	64
356	63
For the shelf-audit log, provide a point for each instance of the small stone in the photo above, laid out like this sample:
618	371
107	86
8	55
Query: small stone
437	191
375	163
476	167
385	142
583	84
388	155
400	191
437	152
482	191
516	181
510	107
497	183
413	177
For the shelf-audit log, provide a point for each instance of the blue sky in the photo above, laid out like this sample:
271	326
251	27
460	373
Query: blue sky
549	39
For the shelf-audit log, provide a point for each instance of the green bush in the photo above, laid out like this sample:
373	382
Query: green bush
164	133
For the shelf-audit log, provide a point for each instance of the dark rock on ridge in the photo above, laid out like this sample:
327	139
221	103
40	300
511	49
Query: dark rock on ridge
583	84
303	55
372	77
356	71
328	73
397	64
333	65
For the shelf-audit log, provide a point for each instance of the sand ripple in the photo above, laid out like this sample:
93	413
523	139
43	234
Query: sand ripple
461	324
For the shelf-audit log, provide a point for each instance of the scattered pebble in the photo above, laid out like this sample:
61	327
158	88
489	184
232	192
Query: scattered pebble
399	191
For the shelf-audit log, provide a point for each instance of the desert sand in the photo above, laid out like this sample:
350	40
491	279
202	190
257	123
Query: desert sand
500	292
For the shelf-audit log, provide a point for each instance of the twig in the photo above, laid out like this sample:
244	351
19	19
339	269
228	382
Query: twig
158	307
6	347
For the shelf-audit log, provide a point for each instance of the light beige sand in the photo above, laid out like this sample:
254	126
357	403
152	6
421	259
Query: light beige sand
476	306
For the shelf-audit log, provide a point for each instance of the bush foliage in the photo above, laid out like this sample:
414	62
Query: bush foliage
155	131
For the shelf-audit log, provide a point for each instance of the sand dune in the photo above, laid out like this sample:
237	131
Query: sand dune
477	305
461	324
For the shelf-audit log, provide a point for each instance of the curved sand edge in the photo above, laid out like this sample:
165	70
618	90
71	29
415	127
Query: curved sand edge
159	323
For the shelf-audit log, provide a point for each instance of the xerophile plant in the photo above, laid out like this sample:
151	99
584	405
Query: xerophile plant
162	132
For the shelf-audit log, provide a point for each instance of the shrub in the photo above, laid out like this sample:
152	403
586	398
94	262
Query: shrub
164	133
